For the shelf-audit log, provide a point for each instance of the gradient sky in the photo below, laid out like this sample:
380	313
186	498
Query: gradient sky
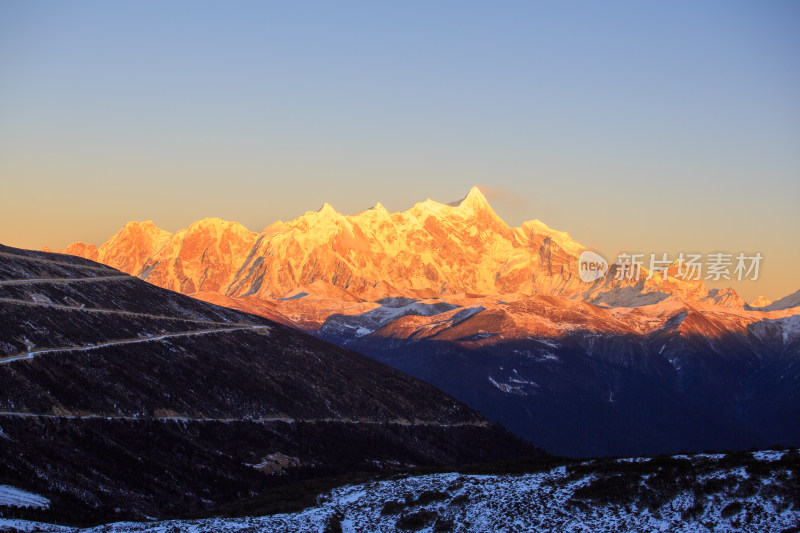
647	126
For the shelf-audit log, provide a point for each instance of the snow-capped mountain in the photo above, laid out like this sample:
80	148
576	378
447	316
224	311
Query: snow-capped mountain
431	250
128	249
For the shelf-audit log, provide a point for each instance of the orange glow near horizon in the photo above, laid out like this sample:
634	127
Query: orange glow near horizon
767	285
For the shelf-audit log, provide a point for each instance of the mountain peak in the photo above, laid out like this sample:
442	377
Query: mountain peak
136	230
216	222
206	222
475	194
144	224
326	209
474	200
761	301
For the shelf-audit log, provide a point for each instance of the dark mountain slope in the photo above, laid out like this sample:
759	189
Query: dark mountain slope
586	393
121	399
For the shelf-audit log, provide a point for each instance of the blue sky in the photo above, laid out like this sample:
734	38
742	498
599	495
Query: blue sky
649	126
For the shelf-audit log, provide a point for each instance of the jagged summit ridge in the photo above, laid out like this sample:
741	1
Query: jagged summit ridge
474	200
431	249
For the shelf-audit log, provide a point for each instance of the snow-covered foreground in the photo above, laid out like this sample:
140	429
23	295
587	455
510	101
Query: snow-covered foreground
702	493
19	526
14	497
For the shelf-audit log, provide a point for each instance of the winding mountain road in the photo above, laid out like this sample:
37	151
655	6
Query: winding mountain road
33	353
120	312
33	281
258	420
223	327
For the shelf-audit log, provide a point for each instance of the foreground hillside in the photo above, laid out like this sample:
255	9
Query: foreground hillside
751	492
116	395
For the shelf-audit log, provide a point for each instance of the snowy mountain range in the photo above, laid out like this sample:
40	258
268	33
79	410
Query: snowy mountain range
431	250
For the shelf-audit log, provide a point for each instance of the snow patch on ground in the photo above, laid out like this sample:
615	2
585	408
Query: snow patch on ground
550	343
508	388
552	500
768	455
10	524
14	497
389	311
